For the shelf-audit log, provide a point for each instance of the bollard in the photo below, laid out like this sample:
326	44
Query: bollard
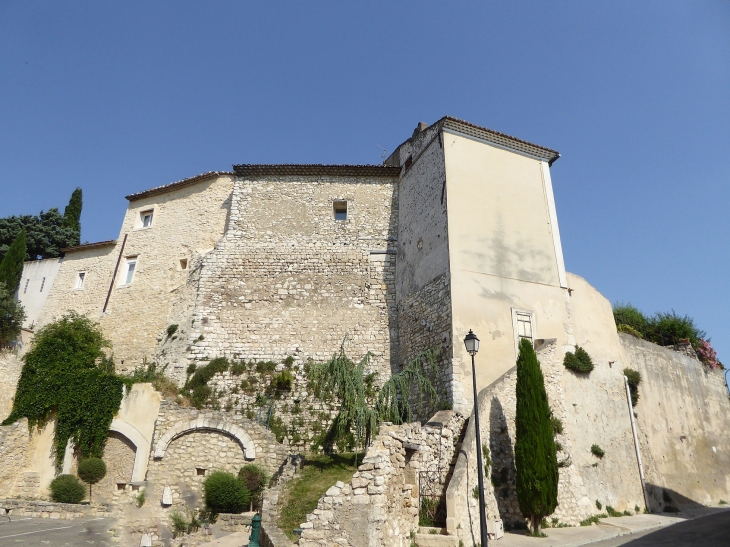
253	539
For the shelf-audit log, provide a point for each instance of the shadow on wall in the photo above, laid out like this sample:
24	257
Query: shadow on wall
503	467
666	500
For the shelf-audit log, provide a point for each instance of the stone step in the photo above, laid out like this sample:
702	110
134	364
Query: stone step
435	537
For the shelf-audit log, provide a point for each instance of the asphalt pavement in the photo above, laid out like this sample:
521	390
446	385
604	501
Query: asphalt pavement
31	532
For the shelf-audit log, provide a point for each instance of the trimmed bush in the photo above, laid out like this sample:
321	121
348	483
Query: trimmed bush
225	493
67	489
579	361
634	378
91	471
254	478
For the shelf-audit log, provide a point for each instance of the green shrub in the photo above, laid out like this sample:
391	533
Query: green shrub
191	368
599	506
172	329
282	381
238	368
669	328
141	497
179	524
626	314
266	367
612	512
225	493
67	489
579	361
597	451
634	379
556	424
628	329
12	315
289	361
276	425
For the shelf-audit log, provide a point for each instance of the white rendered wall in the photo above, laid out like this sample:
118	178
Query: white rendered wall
29	291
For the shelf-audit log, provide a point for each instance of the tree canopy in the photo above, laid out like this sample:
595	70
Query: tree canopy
11	265
12	316
46	233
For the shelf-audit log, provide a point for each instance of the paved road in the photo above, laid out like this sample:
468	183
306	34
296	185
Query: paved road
27	532
711	531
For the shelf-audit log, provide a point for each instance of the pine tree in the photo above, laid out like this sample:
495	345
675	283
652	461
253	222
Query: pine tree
72	214
536	460
11	266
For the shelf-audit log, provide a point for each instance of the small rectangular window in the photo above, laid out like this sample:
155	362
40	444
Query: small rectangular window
340	209
42	284
199	471
131	266
80	280
183	263
26	285
146	218
121	486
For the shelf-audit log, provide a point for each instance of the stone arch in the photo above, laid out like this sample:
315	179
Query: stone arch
141	444
232	430
131	433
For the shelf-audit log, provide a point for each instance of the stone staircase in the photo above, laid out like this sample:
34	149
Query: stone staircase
435	537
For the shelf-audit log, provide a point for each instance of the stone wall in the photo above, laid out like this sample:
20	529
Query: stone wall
380	505
10	368
51	510
613	480
190	457
288	279
424	322
14	446
188	220
683	415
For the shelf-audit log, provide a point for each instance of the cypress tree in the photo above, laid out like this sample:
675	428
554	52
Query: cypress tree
11	266
72	214
536	460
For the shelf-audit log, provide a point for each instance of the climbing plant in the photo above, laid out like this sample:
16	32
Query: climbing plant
66	372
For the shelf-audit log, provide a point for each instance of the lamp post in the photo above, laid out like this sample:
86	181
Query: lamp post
472	346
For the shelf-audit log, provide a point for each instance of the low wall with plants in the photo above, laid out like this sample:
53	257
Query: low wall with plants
51	510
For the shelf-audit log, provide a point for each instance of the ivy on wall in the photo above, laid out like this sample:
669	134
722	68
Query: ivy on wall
67	373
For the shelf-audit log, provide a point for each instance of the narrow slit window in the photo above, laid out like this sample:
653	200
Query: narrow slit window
42	284
146	218
183	263
80	280
340	208
131	266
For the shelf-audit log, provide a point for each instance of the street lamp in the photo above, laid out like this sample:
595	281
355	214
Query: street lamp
472	347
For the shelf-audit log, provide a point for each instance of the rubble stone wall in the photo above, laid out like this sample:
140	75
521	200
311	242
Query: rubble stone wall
289	279
380	505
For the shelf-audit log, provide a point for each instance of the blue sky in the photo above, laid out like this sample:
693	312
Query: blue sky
117	97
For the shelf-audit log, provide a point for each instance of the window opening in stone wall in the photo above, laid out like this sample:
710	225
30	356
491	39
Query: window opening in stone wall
146	218
199	471
26	285
80	280
183	263
42	284
340	208
121	485
131	266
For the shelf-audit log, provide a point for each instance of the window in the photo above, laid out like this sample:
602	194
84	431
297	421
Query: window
131	266
42	284
80	280
121	486
183	263
199	471
26	285
340	210
523	323
146	217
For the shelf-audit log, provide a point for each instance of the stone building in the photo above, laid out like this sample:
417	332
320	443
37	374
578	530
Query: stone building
456	230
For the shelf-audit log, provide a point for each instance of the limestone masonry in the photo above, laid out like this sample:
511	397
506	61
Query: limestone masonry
275	267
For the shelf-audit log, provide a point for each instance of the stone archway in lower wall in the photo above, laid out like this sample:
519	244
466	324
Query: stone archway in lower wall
219	426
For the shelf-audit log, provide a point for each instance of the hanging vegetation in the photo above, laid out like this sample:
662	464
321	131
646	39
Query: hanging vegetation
579	361
634	378
362	409
67	372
